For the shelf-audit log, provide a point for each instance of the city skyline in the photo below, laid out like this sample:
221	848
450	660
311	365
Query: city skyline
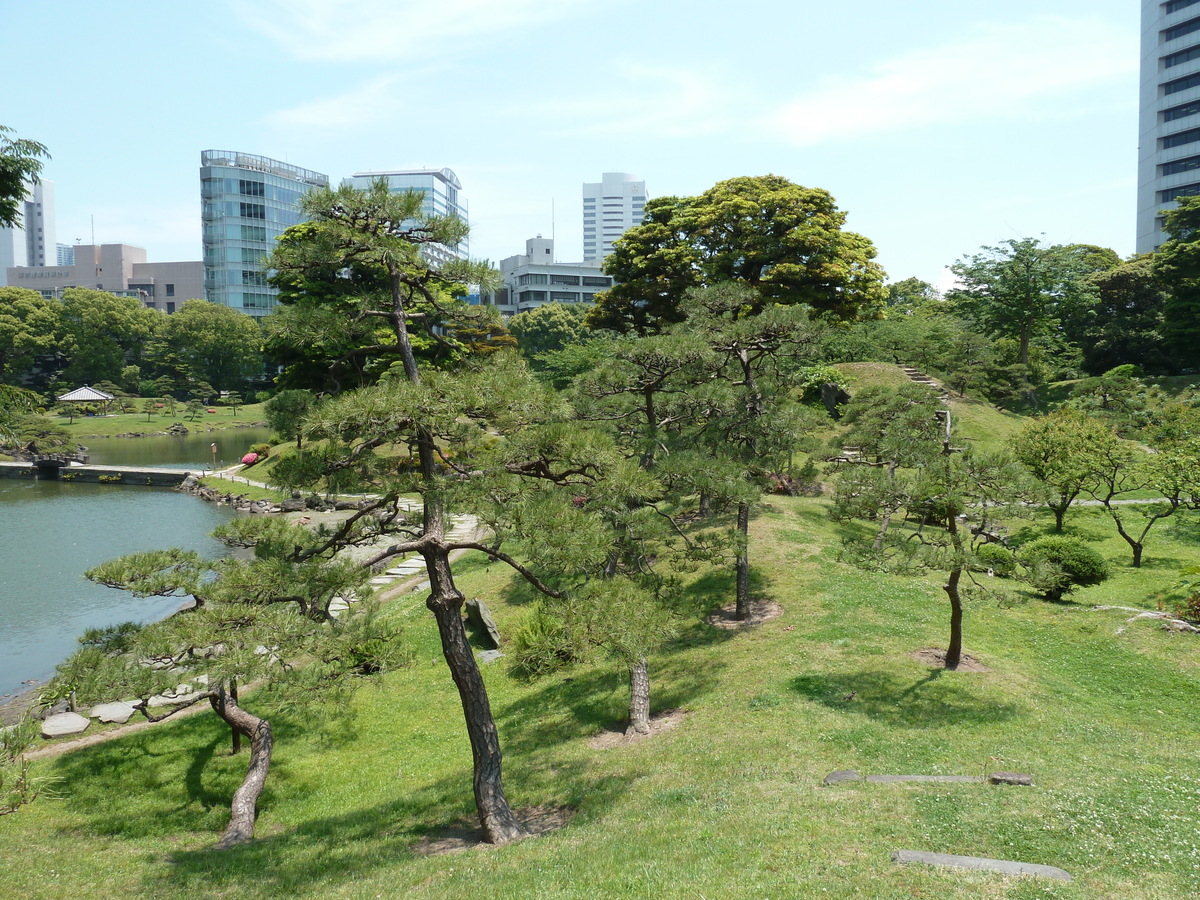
938	128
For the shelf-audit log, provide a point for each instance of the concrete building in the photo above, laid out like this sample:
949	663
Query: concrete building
442	197
534	278
26	243
247	201
120	269
610	207
1169	120
65	255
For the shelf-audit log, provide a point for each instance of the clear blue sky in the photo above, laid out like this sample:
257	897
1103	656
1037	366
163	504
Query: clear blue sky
939	126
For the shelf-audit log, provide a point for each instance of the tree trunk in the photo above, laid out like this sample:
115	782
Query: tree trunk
954	650
639	698
1137	554
1059	511
445	601
743	563
244	807
235	735
705	505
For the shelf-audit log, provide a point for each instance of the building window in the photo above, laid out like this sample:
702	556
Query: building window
532	278
1182	56
251	188
253	276
563	297
1178	31
170	290
531	297
170	306
1181	84
253	211
564	279
1180	165
1177	5
1179	138
254	233
1188	190
1181	112
596	281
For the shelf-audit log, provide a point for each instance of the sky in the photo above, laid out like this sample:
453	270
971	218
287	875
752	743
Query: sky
939	127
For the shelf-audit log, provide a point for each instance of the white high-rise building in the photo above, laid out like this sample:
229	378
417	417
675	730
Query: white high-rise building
1169	122
25	244
610	207
442	196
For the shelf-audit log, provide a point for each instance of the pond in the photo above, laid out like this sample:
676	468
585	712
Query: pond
53	531
176	451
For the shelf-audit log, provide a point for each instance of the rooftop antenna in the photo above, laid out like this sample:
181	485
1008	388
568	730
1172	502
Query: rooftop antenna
93	229
554	258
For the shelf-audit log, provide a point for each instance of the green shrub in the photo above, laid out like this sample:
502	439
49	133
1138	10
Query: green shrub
263	451
999	560
1057	565
543	643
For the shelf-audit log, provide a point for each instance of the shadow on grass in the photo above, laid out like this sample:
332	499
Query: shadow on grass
172	786
337	849
937	699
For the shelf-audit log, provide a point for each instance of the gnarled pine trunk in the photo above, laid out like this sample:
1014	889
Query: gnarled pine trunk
244	807
743	563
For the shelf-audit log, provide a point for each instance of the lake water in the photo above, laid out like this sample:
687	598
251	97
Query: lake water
176	451
53	531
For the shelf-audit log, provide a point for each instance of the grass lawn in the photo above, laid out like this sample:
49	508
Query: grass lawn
124	423
729	804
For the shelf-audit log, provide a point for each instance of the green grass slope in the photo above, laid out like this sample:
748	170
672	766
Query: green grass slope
728	804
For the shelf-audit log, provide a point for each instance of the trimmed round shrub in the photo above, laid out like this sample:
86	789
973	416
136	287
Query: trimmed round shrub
1057	565
999	559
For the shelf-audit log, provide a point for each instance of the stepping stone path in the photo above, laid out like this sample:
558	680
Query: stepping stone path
118	712
979	863
63	724
920	377
462	528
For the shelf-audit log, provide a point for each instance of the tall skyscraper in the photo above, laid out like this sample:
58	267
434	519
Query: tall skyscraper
442	197
610	207
25	244
1169	122
247	201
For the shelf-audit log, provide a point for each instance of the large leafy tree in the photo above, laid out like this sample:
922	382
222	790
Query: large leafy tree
550	327
1023	290
103	333
29	325
783	240
208	342
1178	264
20	162
1126	324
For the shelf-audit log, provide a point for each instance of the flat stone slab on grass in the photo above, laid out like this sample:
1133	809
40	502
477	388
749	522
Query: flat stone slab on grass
841	775
1019	778
65	723
979	864
118	713
937	779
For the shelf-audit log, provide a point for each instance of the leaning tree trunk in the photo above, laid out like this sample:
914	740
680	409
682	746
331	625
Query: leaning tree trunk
743	563
639	698
245	800
445	601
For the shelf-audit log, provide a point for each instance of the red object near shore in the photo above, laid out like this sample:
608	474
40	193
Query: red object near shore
250	459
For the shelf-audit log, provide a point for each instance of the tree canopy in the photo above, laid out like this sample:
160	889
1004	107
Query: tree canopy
209	342
784	240
1178	264
20	162
1023	290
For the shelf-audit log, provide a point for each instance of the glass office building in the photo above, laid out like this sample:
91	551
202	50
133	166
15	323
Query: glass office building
247	201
